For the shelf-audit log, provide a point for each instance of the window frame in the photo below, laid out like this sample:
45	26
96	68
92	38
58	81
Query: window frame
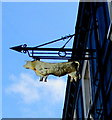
86	66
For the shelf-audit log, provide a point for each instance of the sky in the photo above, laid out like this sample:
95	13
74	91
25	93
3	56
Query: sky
23	96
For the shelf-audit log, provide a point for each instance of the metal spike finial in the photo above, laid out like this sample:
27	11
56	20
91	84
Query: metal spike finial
17	48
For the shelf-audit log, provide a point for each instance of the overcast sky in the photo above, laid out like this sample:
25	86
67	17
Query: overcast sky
33	23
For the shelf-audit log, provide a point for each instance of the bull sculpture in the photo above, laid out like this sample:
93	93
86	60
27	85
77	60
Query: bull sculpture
44	69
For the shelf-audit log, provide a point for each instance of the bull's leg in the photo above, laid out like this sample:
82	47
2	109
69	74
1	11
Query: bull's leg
45	78
73	76
41	79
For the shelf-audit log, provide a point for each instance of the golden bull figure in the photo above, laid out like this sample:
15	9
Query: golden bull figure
44	69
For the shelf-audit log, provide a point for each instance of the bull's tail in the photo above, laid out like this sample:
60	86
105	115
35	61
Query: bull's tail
78	65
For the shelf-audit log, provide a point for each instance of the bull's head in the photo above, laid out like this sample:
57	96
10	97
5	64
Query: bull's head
28	65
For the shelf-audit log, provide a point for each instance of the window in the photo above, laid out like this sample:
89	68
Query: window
86	88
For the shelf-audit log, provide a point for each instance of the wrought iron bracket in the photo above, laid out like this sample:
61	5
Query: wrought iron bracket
52	53
55	53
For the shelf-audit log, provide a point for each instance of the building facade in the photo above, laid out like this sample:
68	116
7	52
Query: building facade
91	96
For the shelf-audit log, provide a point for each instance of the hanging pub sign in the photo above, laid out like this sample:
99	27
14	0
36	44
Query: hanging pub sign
44	69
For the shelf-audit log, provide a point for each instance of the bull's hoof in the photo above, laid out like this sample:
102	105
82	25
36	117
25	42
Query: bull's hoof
45	80
41	80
